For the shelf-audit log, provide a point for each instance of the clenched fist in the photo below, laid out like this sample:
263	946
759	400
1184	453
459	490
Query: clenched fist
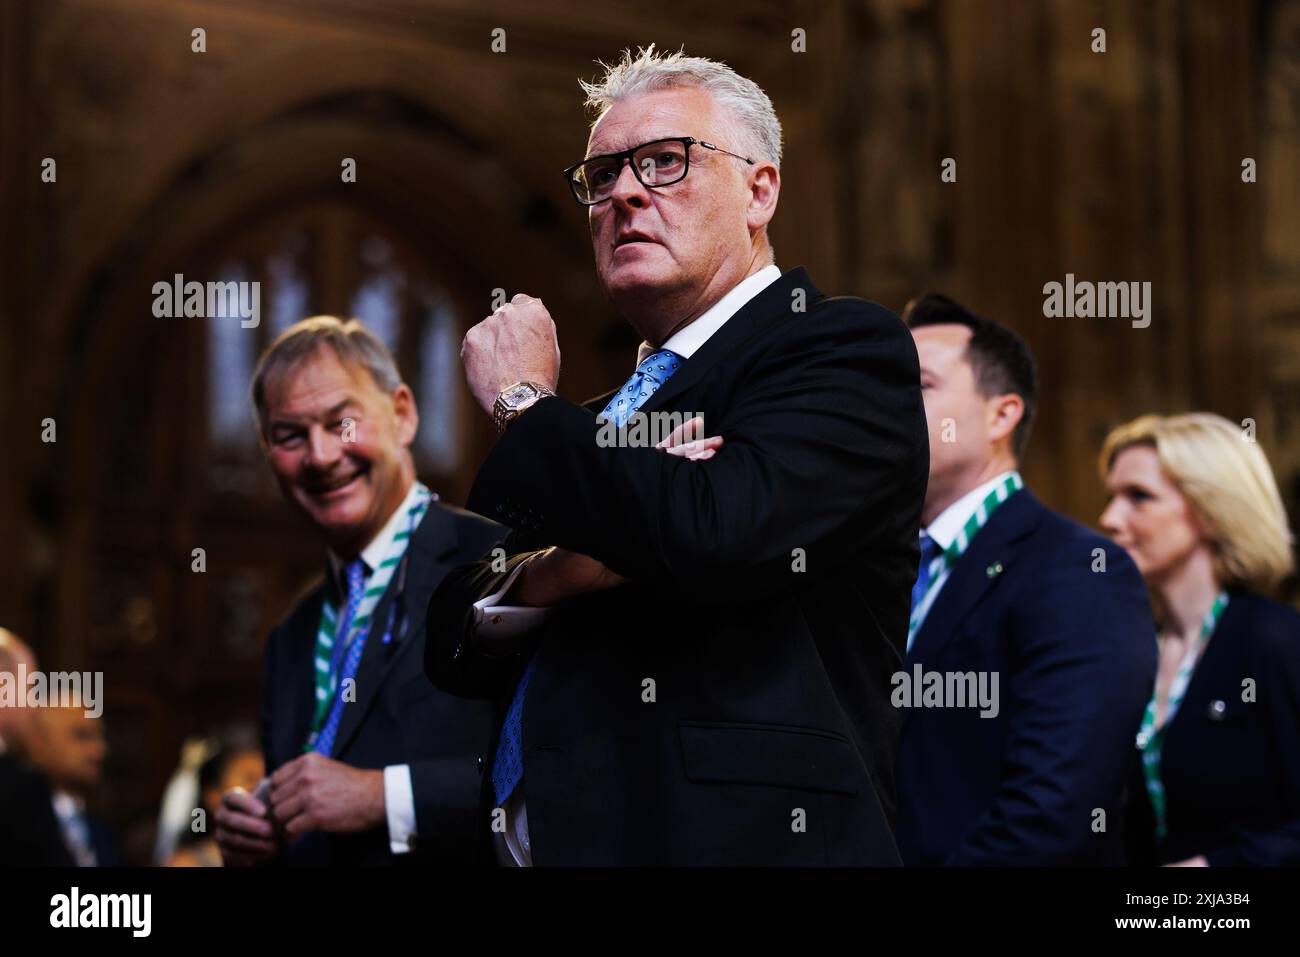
517	343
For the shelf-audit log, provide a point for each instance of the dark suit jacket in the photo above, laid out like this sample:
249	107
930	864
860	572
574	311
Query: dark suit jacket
1231	773
767	602
29	831
103	840
398	716
1075	654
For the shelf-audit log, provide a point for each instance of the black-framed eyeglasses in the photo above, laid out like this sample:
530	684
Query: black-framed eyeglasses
655	164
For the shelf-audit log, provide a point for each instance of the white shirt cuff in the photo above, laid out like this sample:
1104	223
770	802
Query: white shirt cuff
399	803
494	621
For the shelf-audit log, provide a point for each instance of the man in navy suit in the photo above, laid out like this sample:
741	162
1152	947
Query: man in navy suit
1031	647
70	746
368	762
691	651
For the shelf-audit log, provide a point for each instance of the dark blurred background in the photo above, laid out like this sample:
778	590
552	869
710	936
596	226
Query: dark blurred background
1115	166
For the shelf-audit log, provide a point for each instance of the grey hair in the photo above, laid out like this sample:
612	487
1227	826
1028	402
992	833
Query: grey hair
351	341
740	98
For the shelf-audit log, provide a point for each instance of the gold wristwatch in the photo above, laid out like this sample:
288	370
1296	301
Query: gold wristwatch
513	399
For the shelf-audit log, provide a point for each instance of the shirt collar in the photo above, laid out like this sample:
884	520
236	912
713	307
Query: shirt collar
374	553
67	805
945	527
687	341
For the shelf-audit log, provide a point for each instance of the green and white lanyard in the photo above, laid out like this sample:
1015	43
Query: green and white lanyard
1152	739
326	677
948	557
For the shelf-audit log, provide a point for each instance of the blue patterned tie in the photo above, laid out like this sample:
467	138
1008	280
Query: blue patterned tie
653	372
929	552
350	659
508	765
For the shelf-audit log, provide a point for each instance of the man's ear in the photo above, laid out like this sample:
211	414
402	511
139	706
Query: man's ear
764	190
408	416
1007	411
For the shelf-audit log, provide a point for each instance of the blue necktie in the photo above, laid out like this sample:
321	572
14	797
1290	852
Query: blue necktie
653	372
930	550
349	659
508	765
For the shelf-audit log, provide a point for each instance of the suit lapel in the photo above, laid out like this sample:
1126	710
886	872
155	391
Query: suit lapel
292	703
430	556
769	305
975	574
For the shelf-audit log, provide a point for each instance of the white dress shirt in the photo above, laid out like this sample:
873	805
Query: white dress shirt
945	528
399	792
494	622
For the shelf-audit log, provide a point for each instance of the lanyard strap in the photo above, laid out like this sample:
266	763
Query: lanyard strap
1150	739
329	661
948	557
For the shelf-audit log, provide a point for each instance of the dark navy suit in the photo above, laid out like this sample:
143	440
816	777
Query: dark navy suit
1231	759
29	831
1075	653
771	678
398	716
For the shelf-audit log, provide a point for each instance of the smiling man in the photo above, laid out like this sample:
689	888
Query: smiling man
368	762
696	669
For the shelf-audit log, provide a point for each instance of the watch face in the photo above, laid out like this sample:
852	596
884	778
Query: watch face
517	394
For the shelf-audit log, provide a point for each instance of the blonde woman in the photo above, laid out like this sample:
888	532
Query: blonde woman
1216	770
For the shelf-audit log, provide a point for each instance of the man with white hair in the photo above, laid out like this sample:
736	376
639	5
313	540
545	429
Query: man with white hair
697	669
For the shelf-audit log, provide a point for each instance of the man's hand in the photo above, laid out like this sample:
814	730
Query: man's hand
517	343
316	793
557	574
688	440
244	831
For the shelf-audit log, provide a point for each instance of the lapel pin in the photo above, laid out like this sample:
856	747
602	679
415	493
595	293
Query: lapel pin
994	570
1217	710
